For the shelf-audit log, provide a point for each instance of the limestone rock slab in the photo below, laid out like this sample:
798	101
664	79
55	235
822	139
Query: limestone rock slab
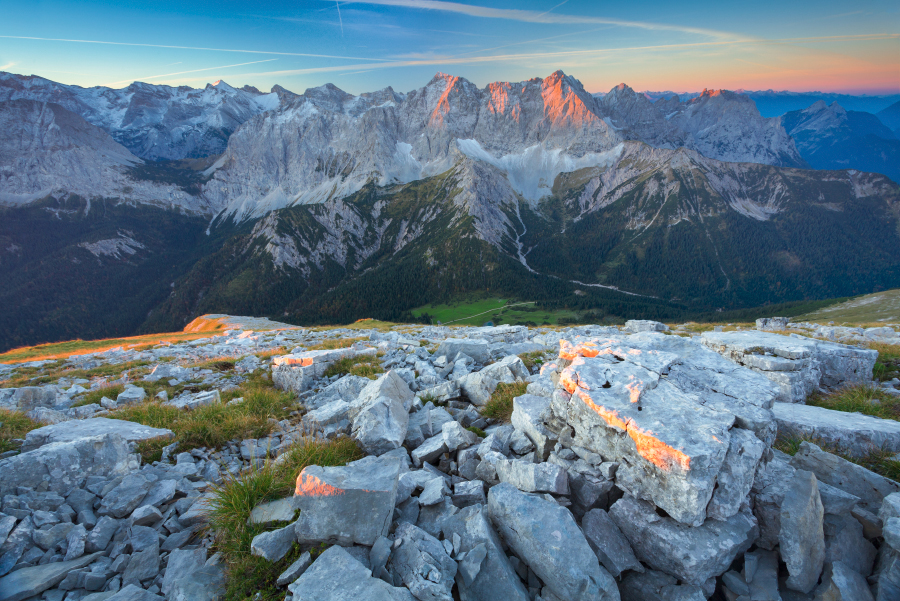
97	426
854	434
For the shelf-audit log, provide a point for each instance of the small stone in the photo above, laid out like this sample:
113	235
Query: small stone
146	515
295	570
273	545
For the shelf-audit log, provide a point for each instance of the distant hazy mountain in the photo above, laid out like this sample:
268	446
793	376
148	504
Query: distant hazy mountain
891	117
830	137
153	122
774	104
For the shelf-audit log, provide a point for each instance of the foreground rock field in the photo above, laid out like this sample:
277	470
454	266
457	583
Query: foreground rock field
498	463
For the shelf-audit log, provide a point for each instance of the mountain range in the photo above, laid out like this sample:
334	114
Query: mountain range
136	209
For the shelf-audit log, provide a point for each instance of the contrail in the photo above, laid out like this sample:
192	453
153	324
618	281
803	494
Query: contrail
340	20
552	9
268	60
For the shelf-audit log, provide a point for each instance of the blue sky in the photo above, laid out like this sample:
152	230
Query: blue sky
362	46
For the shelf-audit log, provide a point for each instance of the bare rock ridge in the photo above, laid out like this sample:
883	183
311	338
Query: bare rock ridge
638	465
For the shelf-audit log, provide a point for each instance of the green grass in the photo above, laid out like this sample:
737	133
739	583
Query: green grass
877	460
887	367
866	399
366	366
51	373
500	405
94	396
250	577
477	431
14	425
534	358
214	425
476	312
871	309
333	344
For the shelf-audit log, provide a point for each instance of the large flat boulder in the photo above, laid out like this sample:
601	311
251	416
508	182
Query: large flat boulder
478	349
97	426
664	409
336	576
297	371
798	365
353	504
849	477
690	554
854	434
545	536
28	582
62	466
27	398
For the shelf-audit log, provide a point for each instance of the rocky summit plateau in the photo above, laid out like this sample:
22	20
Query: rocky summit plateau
327	207
642	462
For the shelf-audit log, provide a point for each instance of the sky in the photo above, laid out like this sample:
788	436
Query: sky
798	45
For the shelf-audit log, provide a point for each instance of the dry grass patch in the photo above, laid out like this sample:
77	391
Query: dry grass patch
214	425
864	398
14	425
366	366
333	344
500	405
887	366
252	577
877	460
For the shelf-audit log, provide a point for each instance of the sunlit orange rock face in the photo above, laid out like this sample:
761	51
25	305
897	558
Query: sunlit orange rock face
563	105
443	105
309	485
641	401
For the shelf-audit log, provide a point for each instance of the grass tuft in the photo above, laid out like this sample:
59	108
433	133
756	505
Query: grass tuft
252	577
533	358
333	344
477	431
366	366
877	460
887	367
14	425
500	405
866	399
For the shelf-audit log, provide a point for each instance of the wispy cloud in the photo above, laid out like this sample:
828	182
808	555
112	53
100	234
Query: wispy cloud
353	58
7	66
146	77
531	16
340	20
552	9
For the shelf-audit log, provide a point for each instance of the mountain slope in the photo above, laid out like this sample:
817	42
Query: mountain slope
891	117
719	124
47	150
831	138
153	122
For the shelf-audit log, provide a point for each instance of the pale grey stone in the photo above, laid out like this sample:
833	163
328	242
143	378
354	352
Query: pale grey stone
496	578
198	512
849	477
328	414
533	477
468	493
607	541
131	395
142	566
545	536
380	415
161	493
27	582
422	564
840	583
526	418
48	538
336	576
63	466
835	501
280	510
27	398
890	508
189	402
146	515
844	542
429	450
350	504
479	386
737	474
644	325
769	487
434	492
344	389
75	541
477	349
101	534
470	565
273	545
456	437
692	554
763	583
126	497
295	570
853	434
802	538
133	592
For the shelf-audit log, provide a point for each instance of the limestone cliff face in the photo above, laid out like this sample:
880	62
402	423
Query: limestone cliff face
47	150
153	122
